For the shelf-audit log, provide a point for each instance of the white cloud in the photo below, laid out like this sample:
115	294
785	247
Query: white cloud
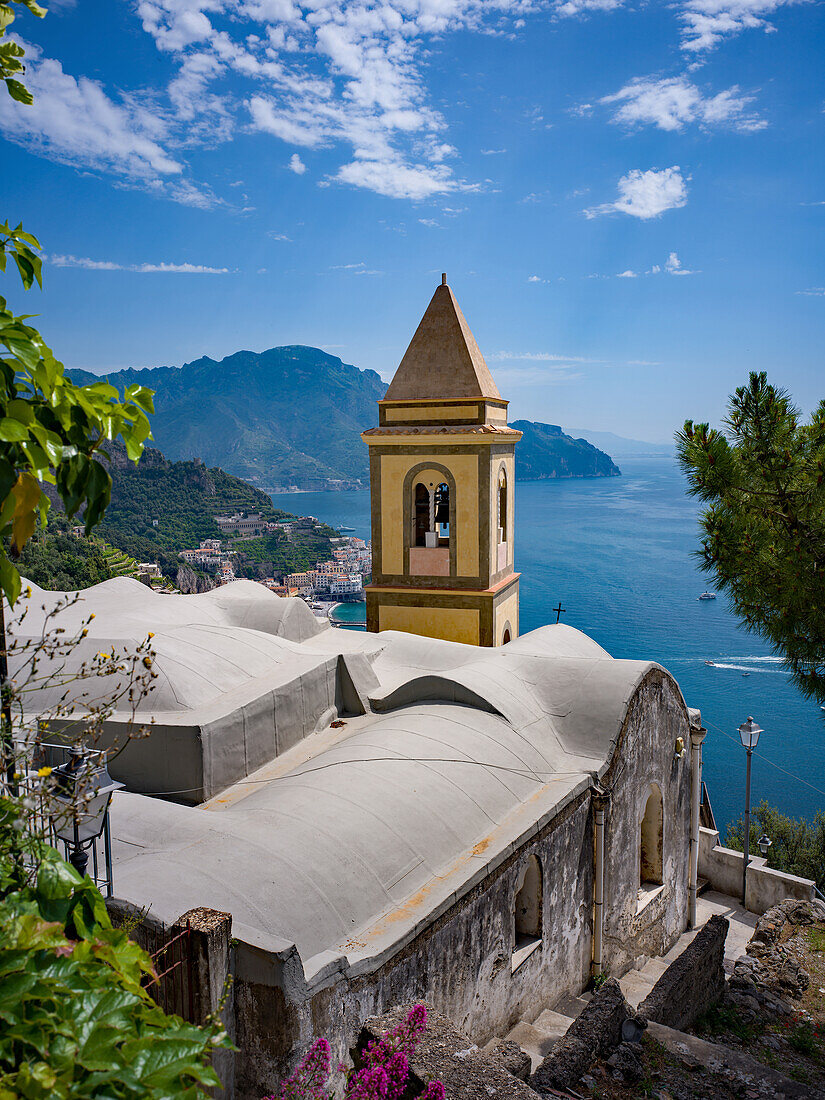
673	266
492	152
279	236
673	102
535	279
74	121
430	222
646	194
537	357
705	23
333	73
814	291
108	265
296	165
397	180
585	7
355	269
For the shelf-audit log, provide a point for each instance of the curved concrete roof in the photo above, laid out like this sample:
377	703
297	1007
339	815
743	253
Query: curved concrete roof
206	645
345	840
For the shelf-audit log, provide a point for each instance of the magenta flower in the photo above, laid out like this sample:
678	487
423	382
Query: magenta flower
384	1073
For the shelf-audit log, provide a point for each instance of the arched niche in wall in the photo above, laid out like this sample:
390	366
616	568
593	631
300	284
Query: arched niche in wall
651	840
527	912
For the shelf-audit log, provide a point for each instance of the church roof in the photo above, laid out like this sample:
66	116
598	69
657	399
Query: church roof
443	359
341	841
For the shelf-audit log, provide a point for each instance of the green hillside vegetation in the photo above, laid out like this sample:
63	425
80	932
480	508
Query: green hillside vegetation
277	554
184	498
54	559
546	452
294	416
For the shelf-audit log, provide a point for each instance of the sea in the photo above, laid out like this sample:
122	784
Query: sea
618	556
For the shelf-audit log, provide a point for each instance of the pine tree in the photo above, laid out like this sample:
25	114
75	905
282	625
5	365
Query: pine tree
763	481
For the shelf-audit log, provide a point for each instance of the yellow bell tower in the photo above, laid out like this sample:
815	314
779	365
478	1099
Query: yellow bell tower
442	484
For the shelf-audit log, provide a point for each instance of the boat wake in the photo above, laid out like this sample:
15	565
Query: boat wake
755	664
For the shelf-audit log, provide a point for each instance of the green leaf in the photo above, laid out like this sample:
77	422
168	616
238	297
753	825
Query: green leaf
12	431
22	94
9	579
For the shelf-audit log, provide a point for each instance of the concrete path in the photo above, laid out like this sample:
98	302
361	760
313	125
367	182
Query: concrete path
538	1037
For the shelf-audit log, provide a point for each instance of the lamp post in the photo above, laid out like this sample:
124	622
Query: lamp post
764	843
749	735
82	793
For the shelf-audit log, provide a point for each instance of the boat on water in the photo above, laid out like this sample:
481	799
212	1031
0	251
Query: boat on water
712	663
746	674
342	528
707	596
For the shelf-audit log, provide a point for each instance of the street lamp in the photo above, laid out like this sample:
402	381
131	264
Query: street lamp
82	793
764	843
749	734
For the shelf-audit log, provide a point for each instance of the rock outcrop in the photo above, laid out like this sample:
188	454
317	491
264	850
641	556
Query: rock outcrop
597	1033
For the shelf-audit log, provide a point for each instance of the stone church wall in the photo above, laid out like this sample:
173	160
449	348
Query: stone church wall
646	756
462	963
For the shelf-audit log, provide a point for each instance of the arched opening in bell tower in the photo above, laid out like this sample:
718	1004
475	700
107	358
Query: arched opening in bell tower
442	514
502	506
421	514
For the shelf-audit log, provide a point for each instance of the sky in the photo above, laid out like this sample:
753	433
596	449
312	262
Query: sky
628	197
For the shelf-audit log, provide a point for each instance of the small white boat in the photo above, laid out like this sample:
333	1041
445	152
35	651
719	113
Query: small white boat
707	596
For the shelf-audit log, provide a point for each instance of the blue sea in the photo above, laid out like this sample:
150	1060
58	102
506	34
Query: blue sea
618	554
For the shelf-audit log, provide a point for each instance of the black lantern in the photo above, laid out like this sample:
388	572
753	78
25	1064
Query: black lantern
81	796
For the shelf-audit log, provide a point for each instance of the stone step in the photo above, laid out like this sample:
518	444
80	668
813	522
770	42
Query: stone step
572	1006
553	1024
654	969
636	985
533	1042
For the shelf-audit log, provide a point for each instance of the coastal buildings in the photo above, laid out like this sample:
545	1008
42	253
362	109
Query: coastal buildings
442	470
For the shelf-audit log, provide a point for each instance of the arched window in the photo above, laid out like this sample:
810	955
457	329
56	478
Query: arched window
505	638
442	513
502	506
651	840
527	913
421	515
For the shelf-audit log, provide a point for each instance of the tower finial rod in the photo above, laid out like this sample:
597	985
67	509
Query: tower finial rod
443	278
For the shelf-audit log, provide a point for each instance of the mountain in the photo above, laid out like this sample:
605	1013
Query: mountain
288	416
294	416
546	452
620	447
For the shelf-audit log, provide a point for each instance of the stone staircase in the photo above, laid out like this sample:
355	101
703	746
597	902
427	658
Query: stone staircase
539	1036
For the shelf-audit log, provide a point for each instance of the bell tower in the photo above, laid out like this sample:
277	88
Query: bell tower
442	485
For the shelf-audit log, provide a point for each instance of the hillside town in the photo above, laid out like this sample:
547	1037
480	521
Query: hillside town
340	579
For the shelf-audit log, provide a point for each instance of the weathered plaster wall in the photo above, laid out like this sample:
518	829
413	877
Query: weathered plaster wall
646	754
461	965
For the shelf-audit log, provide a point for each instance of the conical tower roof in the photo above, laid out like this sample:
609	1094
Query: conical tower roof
443	359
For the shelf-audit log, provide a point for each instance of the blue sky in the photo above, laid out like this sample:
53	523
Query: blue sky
628	197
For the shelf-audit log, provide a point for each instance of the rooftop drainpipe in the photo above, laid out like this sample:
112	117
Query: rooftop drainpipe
697	736
601	799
